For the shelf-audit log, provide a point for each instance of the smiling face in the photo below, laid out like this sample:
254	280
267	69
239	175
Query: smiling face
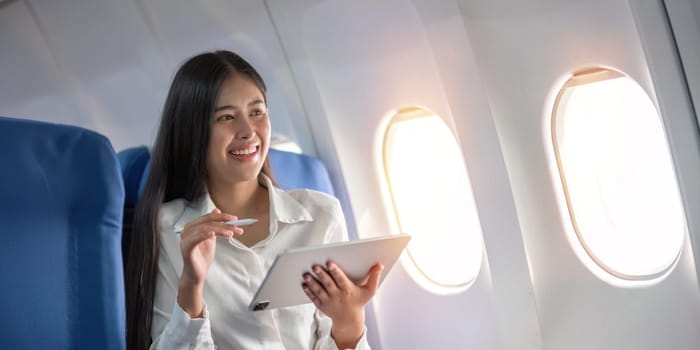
239	135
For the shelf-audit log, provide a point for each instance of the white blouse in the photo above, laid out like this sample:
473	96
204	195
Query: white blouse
297	218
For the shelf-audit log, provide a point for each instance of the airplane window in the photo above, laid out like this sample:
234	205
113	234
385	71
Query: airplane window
432	200
618	177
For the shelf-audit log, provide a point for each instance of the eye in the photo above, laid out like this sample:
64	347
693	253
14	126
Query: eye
257	113
225	117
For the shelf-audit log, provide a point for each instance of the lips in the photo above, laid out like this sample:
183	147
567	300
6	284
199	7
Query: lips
244	153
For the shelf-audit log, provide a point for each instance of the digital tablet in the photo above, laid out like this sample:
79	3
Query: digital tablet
282	285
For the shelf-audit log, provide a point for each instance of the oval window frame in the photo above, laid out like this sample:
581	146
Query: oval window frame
409	261
584	251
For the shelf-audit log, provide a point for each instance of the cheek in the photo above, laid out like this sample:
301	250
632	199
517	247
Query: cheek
218	139
216	147
264	129
211	155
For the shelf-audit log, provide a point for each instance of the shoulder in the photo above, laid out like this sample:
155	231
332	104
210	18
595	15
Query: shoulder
171	211
316	202
320	210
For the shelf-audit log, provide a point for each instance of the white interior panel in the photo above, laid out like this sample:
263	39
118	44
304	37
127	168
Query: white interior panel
684	17
107	65
30	80
183	28
462	83
673	85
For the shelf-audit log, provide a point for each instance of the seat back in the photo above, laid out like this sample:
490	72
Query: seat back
132	163
60	223
293	170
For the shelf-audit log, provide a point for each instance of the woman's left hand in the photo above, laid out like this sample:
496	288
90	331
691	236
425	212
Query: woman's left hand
342	299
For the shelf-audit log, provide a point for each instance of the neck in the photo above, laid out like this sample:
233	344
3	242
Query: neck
243	199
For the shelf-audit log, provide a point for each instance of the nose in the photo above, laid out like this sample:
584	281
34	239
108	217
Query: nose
245	129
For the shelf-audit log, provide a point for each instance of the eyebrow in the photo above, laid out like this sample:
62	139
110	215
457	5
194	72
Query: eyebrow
250	104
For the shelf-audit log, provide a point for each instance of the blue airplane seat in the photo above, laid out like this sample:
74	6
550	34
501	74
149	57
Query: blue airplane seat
60	222
293	170
132	162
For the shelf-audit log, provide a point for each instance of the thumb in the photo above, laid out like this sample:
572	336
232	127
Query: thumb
216	211
373	282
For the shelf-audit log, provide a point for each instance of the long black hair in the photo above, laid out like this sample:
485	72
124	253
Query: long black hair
178	170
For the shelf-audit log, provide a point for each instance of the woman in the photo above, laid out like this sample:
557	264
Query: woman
190	276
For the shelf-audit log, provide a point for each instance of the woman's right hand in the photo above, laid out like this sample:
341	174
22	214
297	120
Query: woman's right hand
198	246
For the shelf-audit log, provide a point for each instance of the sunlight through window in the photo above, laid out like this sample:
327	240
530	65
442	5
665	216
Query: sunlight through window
433	202
618	176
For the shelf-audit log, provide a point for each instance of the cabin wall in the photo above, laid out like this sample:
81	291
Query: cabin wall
338	70
525	52
366	60
362	70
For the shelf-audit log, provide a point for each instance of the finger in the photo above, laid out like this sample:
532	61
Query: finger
218	229
310	294
316	287
214	216
373	281
189	242
202	233
235	230
325	279
340	278
217	215
201	229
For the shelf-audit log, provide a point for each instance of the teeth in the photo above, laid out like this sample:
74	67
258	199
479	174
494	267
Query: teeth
243	152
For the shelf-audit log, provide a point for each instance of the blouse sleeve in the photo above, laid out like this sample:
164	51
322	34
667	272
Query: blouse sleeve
337	232
172	327
181	331
324	340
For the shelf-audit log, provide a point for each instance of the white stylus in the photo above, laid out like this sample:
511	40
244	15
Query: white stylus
242	222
